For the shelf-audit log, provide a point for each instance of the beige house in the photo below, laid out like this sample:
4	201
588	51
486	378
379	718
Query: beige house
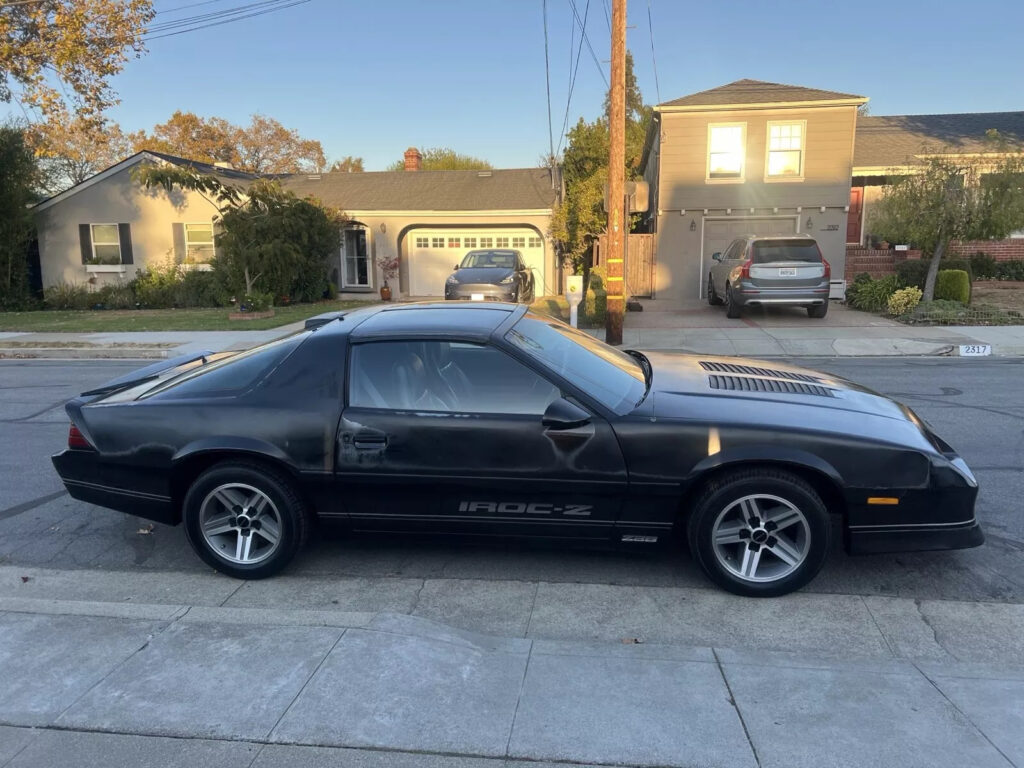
748	157
109	227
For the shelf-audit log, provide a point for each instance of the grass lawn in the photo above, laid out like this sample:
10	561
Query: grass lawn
101	321
1005	294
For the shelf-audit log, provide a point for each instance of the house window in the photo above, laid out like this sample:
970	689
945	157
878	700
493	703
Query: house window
199	243
726	151
422	242
454	242
106	244
437	242
786	150
469	242
501	242
486	242
357	259
535	242
518	242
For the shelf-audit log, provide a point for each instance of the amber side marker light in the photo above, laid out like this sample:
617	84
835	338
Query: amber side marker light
885	500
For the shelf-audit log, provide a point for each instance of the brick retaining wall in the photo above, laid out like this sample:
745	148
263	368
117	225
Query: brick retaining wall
879	263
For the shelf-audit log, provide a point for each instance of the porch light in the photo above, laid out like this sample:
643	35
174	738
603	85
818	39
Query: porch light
810	223
693	225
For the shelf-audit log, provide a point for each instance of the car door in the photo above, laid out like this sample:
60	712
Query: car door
720	269
448	437
525	277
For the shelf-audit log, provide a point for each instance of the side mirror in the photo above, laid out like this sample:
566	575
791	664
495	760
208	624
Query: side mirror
717	255
456	267
561	414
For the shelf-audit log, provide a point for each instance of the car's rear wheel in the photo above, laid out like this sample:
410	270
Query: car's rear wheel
732	308
759	532
818	310
713	298
245	520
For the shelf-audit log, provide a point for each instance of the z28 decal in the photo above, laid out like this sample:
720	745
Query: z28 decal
522	507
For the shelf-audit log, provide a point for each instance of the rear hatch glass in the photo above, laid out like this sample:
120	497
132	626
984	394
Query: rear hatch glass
772	251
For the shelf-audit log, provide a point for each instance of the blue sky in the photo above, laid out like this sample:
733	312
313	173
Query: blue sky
371	78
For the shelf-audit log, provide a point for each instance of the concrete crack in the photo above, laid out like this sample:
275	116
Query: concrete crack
416	597
736	706
935	632
519	698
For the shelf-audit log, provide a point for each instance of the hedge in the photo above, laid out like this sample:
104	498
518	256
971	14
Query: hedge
915	271
953	285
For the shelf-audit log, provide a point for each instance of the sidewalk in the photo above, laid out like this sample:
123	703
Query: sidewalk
186	685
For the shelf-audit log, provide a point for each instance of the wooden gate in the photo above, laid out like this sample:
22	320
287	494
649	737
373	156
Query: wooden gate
639	265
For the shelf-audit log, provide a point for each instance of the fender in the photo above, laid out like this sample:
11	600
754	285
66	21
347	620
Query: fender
772	453
235	444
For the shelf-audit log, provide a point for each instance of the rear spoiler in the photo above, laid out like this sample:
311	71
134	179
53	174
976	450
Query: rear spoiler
147	374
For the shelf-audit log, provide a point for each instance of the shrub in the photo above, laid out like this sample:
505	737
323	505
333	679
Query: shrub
116	296
871	295
69	296
1010	270
595	300
904	300
983	266
257	302
198	288
954	285
915	271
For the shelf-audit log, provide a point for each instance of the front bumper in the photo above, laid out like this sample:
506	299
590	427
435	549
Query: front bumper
923	538
489	292
749	294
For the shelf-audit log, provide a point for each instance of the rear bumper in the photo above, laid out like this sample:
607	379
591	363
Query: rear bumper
747	293
920	538
84	478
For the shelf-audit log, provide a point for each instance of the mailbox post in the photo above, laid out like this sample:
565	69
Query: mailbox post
574	295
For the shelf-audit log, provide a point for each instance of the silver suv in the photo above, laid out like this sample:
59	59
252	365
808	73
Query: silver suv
777	269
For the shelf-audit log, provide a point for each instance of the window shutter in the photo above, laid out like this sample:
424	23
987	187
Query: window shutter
179	242
124	234
85	241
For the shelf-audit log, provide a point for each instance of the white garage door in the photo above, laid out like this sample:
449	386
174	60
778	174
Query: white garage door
718	233
433	254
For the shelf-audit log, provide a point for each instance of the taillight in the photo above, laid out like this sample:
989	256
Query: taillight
77	440
745	269
828	267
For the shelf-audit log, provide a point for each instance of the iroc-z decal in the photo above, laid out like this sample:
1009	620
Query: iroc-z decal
525	508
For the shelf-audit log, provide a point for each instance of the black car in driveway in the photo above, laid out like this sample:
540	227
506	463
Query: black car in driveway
489	419
491	275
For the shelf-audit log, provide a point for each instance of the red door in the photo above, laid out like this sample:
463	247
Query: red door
853	221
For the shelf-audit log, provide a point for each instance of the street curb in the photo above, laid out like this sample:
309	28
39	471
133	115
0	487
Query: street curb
74	353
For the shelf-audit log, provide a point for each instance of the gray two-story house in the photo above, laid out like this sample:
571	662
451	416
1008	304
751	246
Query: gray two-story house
747	157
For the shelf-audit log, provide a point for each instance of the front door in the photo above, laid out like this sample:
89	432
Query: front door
447	437
854	219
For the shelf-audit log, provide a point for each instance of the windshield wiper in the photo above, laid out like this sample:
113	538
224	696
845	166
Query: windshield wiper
645	366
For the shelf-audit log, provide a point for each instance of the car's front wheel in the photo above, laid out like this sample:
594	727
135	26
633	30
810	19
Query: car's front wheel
759	532
246	520
713	298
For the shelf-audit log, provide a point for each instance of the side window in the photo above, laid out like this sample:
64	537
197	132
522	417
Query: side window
452	377
730	251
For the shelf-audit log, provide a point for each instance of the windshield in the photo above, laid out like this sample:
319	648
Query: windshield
608	375
502	259
786	250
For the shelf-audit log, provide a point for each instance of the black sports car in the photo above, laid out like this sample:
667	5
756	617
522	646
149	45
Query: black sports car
489	419
491	275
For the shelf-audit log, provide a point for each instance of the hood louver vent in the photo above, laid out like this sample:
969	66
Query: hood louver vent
749	384
750	370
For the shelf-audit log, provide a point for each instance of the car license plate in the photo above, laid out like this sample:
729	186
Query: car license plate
784	272
476	296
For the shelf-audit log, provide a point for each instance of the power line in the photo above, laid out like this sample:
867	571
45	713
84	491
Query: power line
190	5
586	39
170	29
607	15
654	60
575	71
547	80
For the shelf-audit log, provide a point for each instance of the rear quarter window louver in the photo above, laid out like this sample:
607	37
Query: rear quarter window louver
750	384
750	370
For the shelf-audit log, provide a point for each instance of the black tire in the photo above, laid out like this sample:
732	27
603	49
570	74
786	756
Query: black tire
293	518
713	298
818	310
732	309
721	498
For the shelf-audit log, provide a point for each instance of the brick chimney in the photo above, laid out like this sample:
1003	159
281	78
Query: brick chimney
413	159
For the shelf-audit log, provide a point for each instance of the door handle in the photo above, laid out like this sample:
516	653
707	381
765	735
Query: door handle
367	440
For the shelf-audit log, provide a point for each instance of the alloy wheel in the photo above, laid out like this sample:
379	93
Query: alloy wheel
761	538
240	523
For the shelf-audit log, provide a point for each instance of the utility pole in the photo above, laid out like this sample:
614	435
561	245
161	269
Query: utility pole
618	221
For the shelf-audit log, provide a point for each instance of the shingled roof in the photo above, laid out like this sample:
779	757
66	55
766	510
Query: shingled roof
505	189
894	140
758	92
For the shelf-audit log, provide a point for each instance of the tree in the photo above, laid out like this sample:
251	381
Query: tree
445	159
73	47
185	134
70	149
580	217
347	164
954	197
17	178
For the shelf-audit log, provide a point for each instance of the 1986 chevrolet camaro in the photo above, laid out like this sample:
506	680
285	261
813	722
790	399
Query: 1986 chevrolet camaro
492	420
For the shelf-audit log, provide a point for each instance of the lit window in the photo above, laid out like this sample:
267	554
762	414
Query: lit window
422	242
535	242
198	243
726	150
785	149
106	244
486	242
454	242
502	242
469	242
437	242
518	242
